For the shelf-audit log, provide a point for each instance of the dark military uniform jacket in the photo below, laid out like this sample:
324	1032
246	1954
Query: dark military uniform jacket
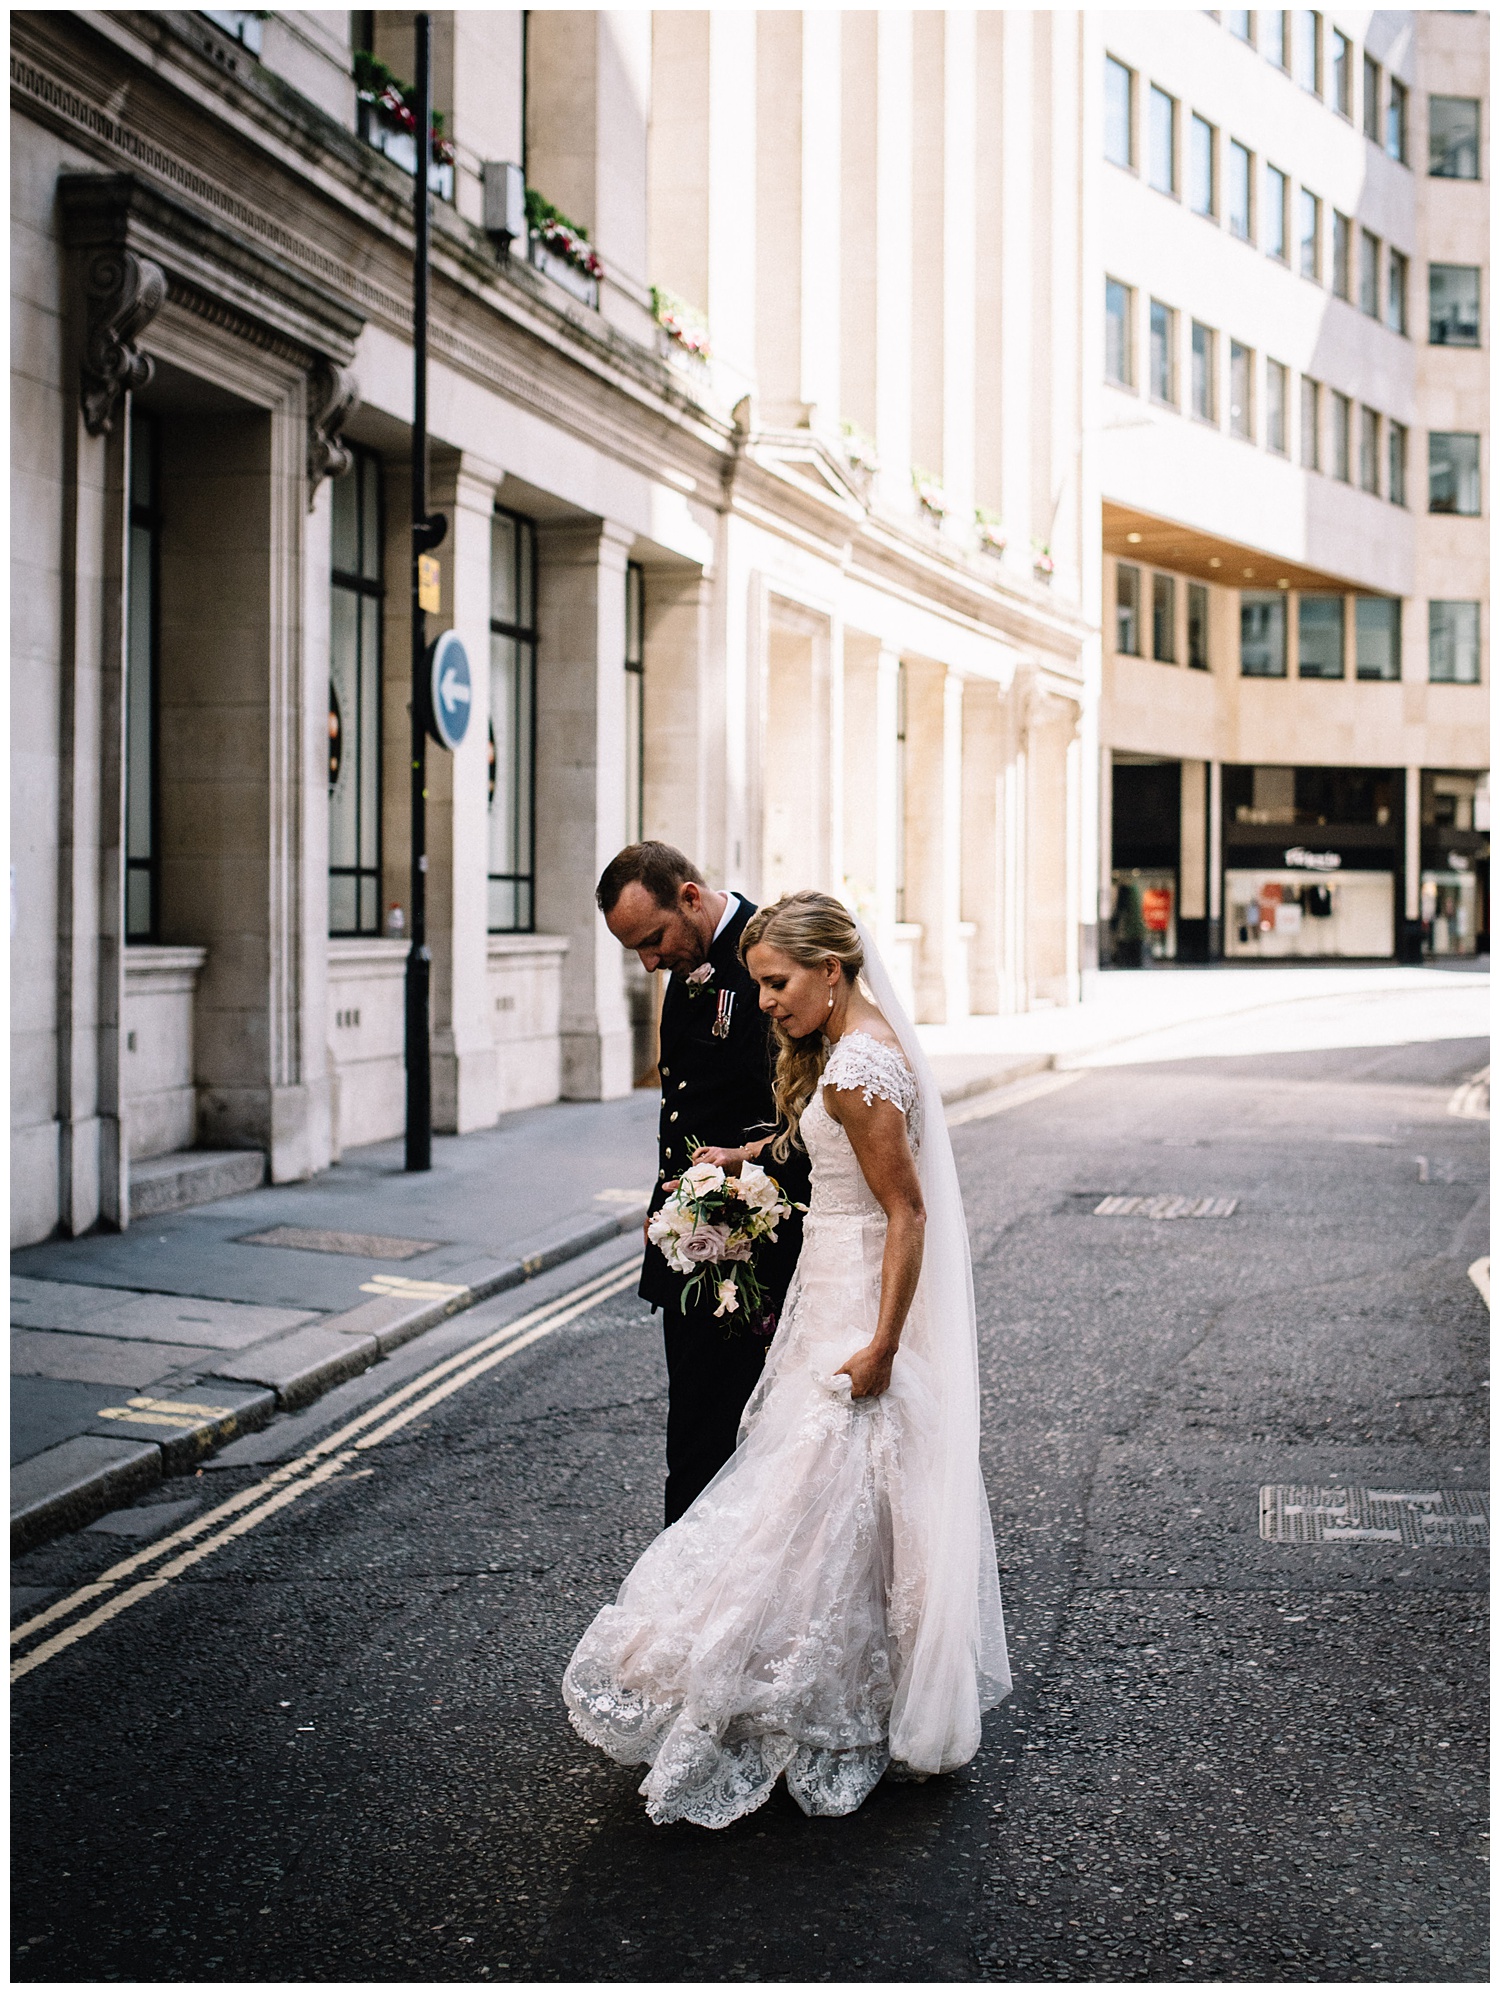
716	1090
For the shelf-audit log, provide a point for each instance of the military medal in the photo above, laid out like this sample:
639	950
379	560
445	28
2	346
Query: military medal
726	1007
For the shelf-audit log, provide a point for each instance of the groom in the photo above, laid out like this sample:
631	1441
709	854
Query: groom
716	1061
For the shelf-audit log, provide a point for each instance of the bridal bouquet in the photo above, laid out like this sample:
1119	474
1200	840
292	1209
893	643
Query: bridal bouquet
709	1228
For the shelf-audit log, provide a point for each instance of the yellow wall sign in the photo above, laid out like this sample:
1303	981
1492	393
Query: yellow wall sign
430	583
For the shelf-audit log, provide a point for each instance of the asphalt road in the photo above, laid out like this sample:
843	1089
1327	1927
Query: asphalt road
333	1748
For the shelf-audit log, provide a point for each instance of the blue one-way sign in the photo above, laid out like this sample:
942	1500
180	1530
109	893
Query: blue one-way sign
450	690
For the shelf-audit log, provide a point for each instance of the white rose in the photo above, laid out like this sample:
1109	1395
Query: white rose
701	1179
759	1191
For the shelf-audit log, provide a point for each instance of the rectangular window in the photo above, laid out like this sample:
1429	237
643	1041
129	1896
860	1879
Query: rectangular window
1453	643
1453	138
1377	637
1203	195
1164	619
1339	411
1240	22
635	702
1163	353
1205	386
1343	75
1262	636
1395	454
1372	99
1276	409
1369	273
1369	452
1197	622
357	611
1273	38
1127	609
1453	304
1309	233
1342	230
1119	311
1320	636
1238	174
512	744
1119	107
1395	122
1453	473
1241	391
1395	292
1307	50
1311	453
1162	154
142	569
1275	230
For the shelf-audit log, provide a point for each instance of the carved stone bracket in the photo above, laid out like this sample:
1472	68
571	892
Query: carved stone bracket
124	293
332	397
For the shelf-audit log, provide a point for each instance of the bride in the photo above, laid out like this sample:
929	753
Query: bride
829	1606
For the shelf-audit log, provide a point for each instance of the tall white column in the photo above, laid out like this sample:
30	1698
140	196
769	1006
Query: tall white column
960	53
982	843
893	254
465	1078
955	954
890	828
580	779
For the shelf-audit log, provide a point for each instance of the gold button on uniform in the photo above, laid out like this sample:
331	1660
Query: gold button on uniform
674	1114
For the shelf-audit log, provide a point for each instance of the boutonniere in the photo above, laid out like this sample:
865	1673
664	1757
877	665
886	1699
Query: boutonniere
699	979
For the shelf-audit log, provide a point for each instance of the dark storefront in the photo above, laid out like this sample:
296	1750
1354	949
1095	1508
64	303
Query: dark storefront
1313	864
1146	847
1455	895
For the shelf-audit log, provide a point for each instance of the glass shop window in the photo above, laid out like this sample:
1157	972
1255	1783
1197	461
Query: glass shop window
1453	643
1262	635
1377	637
1164	619
1320	636
1453	473
1127	609
143	566
354	700
1453	138
1119	105
1276	408
1197	626
1453	304
512	740
1119	310
635	702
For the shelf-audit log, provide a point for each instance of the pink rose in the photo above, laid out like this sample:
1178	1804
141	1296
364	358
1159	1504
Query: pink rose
705	1244
738	1247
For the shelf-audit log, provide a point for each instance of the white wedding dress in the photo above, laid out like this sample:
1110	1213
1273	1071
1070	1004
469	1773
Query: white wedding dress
829	1606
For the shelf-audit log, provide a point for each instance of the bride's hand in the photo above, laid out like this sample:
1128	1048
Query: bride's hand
728	1160
868	1371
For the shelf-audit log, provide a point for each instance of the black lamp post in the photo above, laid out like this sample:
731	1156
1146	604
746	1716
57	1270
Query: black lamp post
426	533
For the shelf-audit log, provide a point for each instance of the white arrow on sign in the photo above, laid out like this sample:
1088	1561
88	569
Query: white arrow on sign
454	690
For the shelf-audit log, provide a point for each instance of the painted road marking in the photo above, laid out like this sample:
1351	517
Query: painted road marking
396	1283
1018	1094
321	1463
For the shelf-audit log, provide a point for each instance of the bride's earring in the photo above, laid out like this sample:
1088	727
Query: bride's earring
830	999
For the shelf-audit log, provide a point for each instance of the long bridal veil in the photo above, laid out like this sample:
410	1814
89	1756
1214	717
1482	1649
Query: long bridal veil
958	1664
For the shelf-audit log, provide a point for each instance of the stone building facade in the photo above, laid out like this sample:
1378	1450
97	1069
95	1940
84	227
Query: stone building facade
1292	275
767	450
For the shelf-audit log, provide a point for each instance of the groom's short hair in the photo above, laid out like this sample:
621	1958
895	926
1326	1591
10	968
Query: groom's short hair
661	868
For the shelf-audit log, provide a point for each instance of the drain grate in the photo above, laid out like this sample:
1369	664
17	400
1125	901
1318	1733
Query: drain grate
358	1245
1450	1519
1166	1206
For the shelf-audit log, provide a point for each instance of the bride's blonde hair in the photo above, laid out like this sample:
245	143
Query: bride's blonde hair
812	928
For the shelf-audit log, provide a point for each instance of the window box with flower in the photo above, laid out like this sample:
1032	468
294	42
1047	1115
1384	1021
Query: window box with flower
388	122
684	328
989	530
1043	566
561	250
859	448
930	495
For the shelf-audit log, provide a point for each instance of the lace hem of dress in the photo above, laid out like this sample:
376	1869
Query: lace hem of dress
711	1781
861	1063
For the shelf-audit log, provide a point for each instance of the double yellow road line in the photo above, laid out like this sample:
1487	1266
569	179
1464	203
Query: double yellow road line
331	1457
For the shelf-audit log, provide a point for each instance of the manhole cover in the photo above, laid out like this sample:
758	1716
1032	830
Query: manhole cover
1166	1206
358	1245
1448	1519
